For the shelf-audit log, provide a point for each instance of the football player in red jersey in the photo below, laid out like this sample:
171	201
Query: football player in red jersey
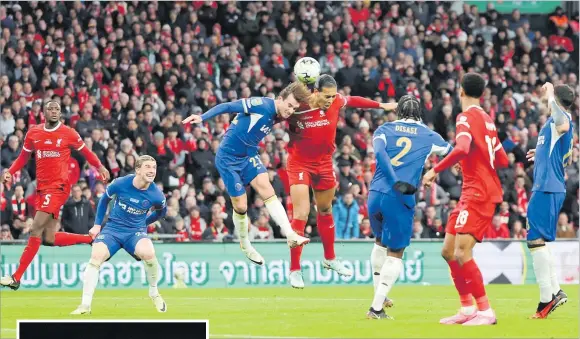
52	142
312	135
480	153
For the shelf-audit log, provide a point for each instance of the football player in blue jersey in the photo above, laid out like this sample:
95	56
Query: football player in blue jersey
238	162
552	154
401	148
134	196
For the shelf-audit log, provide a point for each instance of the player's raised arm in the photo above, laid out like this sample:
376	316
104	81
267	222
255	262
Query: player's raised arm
77	143
238	106
360	102
561	118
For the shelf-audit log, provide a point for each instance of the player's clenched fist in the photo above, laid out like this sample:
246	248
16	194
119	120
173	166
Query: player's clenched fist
193	119
104	173
94	231
6	177
531	155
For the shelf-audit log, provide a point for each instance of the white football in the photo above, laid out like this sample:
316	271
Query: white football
307	70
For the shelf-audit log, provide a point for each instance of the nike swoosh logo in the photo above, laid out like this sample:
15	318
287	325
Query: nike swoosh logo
332	226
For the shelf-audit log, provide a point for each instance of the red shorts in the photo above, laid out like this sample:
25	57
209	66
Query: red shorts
318	175
51	200
472	218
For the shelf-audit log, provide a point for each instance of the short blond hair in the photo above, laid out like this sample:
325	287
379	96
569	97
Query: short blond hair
142	159
299	90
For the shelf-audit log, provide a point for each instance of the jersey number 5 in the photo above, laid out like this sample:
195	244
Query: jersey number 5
406	143
492	147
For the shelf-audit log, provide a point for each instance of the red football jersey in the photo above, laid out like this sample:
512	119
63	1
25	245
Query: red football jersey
52	148
312	132
480	180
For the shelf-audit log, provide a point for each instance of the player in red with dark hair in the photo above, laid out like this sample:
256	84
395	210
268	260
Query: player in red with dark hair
480	152
312	135
52	143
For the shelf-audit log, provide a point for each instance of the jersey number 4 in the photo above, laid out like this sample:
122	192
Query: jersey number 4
406	143
492	147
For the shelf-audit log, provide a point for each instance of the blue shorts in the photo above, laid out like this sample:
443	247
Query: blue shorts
543	212
391	220
116	239
237	172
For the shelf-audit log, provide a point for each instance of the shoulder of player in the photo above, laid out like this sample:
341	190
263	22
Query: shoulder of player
340	99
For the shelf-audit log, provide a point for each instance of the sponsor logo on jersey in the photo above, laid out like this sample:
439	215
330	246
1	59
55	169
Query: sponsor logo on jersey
48	142
541	139
47	154
134	200
314	124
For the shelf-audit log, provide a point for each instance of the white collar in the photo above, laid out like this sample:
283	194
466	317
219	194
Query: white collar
51	129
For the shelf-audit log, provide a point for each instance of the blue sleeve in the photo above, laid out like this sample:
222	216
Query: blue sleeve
239	106
102	208
440	146
114	187
158	212
383	160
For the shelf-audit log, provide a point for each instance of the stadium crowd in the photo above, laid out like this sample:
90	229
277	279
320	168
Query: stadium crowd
127	73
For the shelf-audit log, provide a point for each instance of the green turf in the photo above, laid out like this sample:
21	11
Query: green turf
332	312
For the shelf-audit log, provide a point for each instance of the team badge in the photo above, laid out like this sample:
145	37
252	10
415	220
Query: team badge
146	203
238	187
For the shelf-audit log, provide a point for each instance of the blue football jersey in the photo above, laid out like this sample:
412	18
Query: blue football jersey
408	144
130	204
553	153
253	122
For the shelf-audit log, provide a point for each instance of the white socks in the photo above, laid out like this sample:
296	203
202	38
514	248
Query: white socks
151	268
542	261
553	276
91	279
278	213
389	274
378	257
241	224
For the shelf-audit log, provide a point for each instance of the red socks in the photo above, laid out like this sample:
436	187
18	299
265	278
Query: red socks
296	252
27	256
474	281
327	234
459	281
62	239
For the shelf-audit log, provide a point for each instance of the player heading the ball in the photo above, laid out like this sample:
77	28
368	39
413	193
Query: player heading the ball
239	164
134	196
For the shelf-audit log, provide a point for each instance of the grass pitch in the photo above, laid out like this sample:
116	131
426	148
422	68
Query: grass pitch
323	312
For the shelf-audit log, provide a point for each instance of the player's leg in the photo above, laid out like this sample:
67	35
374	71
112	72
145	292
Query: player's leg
543	210
326	228
61	239
144	250
379	251
397	229
105	246
229	169
261	183
468	309
300	195
41	221
473	222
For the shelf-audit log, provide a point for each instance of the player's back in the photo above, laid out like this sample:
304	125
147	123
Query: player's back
408	144
52	149
480	179
131	205
249	128
553	153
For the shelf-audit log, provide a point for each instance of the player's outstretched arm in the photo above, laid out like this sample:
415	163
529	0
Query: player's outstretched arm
460	151
501	158
94	161
360	102
17	165
238	106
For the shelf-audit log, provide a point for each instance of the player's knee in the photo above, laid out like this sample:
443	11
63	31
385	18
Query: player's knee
48	242
241	207
447	254
461	255
147	256
324	210
96	262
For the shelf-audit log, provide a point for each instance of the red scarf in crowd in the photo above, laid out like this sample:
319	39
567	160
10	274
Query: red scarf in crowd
522	199
19	207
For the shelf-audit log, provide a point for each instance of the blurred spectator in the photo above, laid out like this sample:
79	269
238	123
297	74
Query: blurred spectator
5	233
518	231
497	229
78	216
345	213
564	228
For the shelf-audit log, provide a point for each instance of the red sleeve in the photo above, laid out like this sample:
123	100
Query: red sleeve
75	140
28	145
91	157
501	158
462	144
359	102
20	161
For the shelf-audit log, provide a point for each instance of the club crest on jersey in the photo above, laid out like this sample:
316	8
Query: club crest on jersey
255	102
238	187
58	141
322	114
145	203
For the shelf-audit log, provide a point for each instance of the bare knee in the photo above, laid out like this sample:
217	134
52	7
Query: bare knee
99	254
48	239
324	209
147	256
447	253
240	204
462	255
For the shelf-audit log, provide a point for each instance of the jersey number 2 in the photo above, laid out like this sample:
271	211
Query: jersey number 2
406	143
